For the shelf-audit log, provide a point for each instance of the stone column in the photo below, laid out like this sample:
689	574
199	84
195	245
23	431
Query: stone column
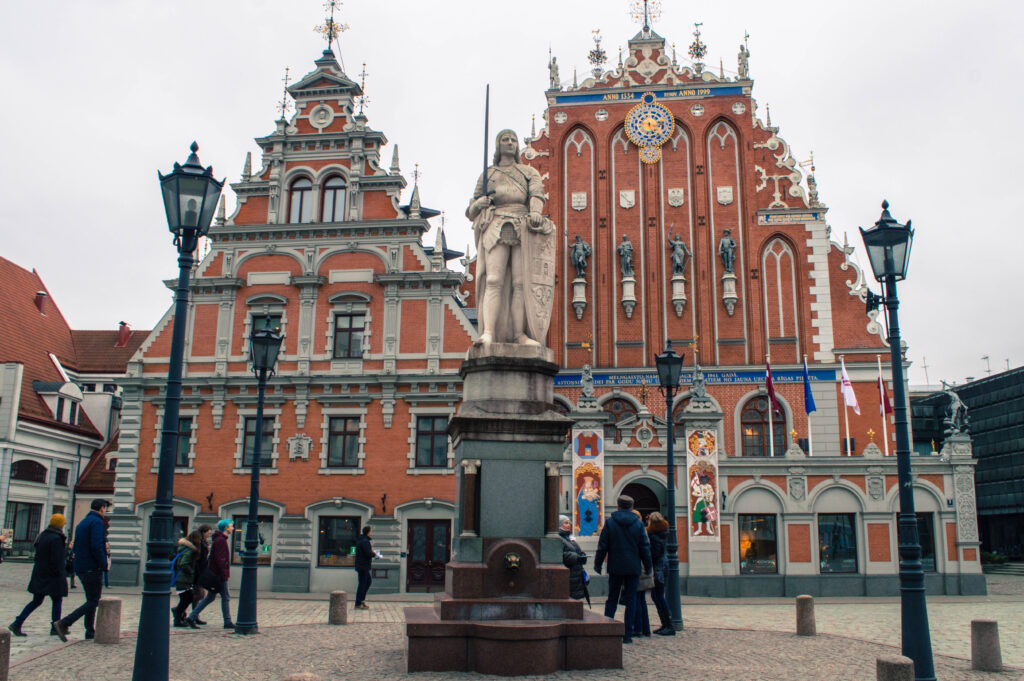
470	487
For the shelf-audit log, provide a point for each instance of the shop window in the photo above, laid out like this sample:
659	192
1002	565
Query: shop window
754	425
619	409
348	335
926	535
336	546
431	441
334	199
837	542
266	444
758	545
184	444
343	443
264	536
28	471
24	519
62	478
300	201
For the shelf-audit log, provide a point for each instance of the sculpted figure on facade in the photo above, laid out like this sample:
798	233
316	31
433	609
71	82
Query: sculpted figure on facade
515	245
956	413
555	82
625	250
743	60
727	249
579	251
680	254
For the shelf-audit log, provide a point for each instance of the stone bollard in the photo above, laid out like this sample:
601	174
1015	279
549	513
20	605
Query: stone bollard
303	676
985	653
338	613
895	668
108	620
5	654
805	624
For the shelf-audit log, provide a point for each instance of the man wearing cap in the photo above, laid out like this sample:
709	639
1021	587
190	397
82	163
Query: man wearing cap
624	541
90	564
48	575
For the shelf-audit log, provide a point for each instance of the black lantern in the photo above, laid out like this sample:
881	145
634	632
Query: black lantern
888	244
264	345
670	365
190	195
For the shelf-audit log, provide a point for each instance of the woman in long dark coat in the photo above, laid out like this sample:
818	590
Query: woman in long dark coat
48	575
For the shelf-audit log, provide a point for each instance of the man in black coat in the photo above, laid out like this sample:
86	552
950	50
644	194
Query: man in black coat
364	558
624	542
48	575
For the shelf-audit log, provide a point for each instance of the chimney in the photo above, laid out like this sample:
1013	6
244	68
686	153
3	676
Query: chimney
40	301
124	332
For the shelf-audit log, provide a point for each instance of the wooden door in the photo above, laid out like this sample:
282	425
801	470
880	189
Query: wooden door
428	550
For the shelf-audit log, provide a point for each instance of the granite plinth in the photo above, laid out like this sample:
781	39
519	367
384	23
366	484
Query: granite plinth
504	378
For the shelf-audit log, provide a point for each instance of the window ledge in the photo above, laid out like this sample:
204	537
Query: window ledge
349	364
430	471
341	471
247	470
177	470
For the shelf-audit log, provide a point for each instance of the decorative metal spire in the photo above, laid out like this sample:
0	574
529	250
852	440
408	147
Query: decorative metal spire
674	62
330	29
416	175
533	126
575	84
597	56
768	109
698	49
721	69
285	105
645	11
363	99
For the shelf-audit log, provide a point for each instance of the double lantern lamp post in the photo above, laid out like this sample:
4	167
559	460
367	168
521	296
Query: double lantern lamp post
670	365
888	245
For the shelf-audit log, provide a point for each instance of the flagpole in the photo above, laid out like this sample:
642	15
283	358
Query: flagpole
881	406
846	409
810	438
771	413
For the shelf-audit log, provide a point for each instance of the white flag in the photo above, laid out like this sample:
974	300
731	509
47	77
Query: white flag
848	396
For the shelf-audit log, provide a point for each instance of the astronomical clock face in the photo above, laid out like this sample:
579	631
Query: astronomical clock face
649	124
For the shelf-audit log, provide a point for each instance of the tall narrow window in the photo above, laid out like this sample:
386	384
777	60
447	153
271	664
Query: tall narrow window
431	441
300	201
73	414
343	442
334	199
619	409
266	444
184	444
60	409
926	535
348	335
758	547
754	426
62	478
837	542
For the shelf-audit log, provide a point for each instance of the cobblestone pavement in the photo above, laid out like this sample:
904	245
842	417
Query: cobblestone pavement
869	620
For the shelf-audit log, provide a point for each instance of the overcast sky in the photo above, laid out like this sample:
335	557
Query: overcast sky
917	102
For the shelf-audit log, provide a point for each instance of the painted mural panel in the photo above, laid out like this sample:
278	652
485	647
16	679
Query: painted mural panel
588	481
702	483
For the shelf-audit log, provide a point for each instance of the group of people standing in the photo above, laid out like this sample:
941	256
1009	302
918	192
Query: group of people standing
637	564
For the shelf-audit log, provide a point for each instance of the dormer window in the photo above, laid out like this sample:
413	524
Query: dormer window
334	199
300	199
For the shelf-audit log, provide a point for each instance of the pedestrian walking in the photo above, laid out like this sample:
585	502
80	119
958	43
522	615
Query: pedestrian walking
624	543
641	619
184	568
573	558
202	562
657	532
69	561
48	574
364	558
90	563
215	577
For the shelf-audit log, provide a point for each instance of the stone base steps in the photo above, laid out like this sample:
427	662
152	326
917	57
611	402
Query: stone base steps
1004	569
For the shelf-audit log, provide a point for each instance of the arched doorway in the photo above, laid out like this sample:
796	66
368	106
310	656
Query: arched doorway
648	497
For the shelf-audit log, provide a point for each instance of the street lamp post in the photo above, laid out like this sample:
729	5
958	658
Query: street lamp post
888	244
264	345
670	367
190	196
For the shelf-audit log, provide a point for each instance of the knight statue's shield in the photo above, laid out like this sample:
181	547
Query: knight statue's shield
539	267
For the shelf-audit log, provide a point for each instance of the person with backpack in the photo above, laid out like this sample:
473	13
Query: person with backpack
624	543
91	562
215	577
202	562
184	577
48	576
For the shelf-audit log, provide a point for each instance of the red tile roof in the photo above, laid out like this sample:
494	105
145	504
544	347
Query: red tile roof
95	477
97	351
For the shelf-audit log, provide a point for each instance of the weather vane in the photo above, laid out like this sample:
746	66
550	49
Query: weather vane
284	105
597	56
646	11
697	48
363	99
416	175
331	29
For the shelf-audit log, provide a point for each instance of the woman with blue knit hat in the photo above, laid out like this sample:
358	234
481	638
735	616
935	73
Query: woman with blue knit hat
48	575
215	577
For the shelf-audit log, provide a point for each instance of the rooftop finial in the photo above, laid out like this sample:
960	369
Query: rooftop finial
597	56
416	174
394	161
284	105
330	29
363	99
768	108
247	168
645	11
533	126
697	48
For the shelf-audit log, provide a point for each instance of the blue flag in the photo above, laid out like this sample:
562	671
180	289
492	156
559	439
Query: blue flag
808	397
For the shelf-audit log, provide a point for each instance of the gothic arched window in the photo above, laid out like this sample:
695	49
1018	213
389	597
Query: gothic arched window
619	409
334	199
754	424
300	201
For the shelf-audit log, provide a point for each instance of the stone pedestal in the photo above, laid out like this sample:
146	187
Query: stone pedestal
338	611
679	293
579	296
729	296
506	608
108	621
628	295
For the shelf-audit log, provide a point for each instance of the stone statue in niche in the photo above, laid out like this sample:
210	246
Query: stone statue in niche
680	254
587	381
515	245
625	251
727	249
579	251
743	59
